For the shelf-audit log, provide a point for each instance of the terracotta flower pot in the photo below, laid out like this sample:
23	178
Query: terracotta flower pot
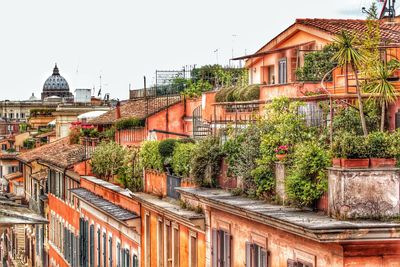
382	163
336	162
281	157
355	163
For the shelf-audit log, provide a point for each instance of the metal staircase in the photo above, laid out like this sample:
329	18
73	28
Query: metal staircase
201	128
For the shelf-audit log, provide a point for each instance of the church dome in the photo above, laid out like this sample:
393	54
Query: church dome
56	82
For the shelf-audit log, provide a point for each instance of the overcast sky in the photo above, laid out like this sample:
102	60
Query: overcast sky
122	40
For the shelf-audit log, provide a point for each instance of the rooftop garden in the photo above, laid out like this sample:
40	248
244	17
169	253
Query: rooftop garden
41	112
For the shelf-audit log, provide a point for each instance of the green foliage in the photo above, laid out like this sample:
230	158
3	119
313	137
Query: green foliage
29	143
166	147
379	145
90	133
206	162
107	159
41	112
130	173
108	134
238	93
150	156
219	76
317	64
195	89
181	158
307	179
350	146
347	119
395	145
129	123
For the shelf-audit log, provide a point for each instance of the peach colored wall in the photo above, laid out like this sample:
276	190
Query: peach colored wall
69	214
170	120
57	258
207	108
155	182
129	137
183	240
384	254
268	92
83	168
281	245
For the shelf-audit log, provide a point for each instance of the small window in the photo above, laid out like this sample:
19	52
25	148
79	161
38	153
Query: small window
256	255
283	71
221	248
192	249
104	249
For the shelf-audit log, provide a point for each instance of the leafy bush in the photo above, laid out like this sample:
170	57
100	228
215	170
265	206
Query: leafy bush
350	146
317	64
29	143
129	123
347	119
107	159
166	147
206	162
379	145
130	173
108	134
74	135
307	179
181	158
195	89
238	93
150	156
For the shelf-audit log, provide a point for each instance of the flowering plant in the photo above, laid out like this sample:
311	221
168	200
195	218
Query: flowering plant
281	150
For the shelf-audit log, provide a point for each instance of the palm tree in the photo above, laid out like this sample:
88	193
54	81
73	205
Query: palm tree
380	86
347	54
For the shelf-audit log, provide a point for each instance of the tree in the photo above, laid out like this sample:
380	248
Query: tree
107	159
380	86
348	55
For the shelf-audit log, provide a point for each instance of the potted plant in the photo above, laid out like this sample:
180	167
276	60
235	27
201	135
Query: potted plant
380	150
281	152
351	150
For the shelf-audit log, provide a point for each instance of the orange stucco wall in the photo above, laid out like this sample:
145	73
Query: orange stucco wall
155	217
155	183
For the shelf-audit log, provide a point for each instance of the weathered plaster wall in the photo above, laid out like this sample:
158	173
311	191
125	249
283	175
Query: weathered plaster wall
363	193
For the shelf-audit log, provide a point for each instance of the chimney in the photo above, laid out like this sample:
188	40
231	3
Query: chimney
118	110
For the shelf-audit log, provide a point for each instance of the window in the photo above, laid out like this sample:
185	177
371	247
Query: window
110	249
159	242
135	261
127	258
298	263
192	249
282	71
118	254
147	239
98	247
175	246
104	249
221	248
91	246
168	244
4	147
256	256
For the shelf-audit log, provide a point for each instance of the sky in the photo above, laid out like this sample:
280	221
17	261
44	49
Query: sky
124	40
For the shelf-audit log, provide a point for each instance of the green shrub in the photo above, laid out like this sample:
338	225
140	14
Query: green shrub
195	89
29	143
166	147
238	93
378	145
150	156
129	123
350	146
307	179
108	134
181	158
130	174
206	162
107	159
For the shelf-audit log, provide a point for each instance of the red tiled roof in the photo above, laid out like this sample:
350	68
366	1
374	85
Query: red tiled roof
59	153
137	109
390	32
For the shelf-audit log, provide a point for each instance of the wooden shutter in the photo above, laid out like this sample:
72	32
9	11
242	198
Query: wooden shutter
214	247
227	249
110	249
118	255
264	258
123	258
135	261
248	254
127	258
91	244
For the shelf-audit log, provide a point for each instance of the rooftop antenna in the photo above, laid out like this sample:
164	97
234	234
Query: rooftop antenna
216	54
99	93
388	9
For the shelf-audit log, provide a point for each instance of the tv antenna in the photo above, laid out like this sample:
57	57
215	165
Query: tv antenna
388	9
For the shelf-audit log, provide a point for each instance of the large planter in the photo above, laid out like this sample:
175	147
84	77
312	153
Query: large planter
355	163
382	163
337	162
